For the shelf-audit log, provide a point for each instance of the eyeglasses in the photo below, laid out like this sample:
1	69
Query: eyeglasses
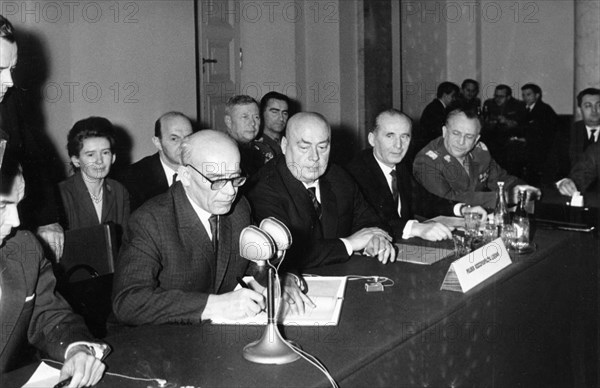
218	184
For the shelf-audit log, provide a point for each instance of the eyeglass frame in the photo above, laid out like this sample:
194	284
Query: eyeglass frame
218	184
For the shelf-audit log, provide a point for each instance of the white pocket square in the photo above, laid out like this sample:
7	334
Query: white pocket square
30	297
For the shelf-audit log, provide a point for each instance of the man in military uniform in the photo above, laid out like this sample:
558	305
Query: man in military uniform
457	167
274	109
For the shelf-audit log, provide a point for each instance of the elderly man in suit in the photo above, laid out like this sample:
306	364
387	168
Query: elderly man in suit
154	174
586	131
388	186
180	260
457	166
31	313
319	202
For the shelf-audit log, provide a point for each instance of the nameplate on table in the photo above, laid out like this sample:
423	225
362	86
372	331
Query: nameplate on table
472	269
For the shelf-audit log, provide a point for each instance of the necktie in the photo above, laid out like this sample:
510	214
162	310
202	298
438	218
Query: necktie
467	164
395	194
312	193
592	138
174	179
213	220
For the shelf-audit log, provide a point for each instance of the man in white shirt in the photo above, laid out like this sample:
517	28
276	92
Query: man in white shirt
587	130
181	258
319	202
154	174
388	186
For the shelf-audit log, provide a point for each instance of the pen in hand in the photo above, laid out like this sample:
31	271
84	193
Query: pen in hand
242	283
63	383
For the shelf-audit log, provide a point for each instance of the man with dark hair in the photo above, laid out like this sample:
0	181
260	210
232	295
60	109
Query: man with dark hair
154	174
387	184
541	131
468	98
434	114
40	208
274	108
586	131
502	132
242	120
32	312
320	203
458	167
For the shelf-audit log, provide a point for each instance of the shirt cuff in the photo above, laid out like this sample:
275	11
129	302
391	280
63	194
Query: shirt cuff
348	246
97	350
560	182
457	209
407	231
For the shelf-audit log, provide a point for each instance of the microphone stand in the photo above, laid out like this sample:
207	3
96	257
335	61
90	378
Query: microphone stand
271	348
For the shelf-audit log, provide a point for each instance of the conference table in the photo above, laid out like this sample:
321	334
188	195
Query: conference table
533	324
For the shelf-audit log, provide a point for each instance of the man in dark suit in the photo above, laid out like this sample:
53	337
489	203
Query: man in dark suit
320	203
388	186
181	257
586	131
41	208
154	174
434	114
540	130
584	174
31	313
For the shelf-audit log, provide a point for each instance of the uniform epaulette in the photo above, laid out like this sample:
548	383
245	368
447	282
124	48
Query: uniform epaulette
432	154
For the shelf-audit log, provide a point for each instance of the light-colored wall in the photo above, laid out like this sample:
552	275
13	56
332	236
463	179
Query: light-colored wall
530	42
127	61
511	42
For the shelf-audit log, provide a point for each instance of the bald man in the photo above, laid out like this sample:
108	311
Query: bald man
154	174
319	202
180	259
388	186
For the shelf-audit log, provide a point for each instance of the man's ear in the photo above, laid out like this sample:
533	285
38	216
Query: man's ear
228	121
113	159
156	142
444	130
183	173
284	144
371	139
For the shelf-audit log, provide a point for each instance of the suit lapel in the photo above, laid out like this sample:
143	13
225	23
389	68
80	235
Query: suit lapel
13	294
298	193
88	205
224	250
193	234
381	181
161	182
109	201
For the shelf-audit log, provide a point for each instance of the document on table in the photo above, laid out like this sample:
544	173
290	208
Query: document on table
326	292
44	376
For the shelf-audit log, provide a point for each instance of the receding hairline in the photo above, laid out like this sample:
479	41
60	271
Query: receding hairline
391	113
205	142
304	118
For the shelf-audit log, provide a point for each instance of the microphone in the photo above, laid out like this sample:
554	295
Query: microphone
256	245
278	231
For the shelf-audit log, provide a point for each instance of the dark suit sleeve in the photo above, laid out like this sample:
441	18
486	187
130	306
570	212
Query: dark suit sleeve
586	170
306	250
53	324
138	297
